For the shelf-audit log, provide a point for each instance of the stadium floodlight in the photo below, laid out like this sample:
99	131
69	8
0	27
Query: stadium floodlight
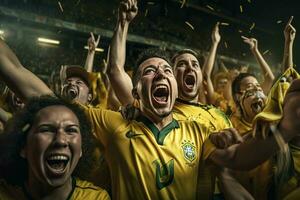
97	49
49	41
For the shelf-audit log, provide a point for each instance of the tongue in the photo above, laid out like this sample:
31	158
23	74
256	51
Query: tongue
72	94
162	98
257	107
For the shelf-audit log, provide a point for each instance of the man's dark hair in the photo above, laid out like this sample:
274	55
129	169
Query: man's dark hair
14	168
236	85
148	53
183	51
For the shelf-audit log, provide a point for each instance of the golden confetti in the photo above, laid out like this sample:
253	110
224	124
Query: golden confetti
25	128
241	8
249	1
183	3
252	26
146	13
279	21
60	6
190	25
209	7
265	52
240	31
150	3
226	46
224	24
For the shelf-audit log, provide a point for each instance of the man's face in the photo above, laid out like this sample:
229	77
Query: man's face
188	75
251	98
156	88
53	146
76	89
221	84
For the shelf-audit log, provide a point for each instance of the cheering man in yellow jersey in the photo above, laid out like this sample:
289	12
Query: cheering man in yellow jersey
155	156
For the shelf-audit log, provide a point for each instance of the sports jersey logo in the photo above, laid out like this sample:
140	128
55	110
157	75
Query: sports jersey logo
131	134
189	150
164	173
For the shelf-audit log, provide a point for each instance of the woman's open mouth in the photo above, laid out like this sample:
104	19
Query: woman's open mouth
57	163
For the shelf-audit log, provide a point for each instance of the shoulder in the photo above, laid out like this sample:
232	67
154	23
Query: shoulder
87	190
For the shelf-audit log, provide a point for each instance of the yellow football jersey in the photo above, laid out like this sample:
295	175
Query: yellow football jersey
208	115
146	163
240	125
80	190
99	91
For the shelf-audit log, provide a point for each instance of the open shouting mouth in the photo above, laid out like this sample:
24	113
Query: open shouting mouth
189	81
57	164
161	94
257	106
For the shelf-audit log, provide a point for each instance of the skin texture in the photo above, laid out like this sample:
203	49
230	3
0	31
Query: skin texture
55	131
289	35
155	72
76	89
188	67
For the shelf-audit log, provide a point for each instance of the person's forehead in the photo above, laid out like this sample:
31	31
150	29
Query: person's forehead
186	56
155	61
51	112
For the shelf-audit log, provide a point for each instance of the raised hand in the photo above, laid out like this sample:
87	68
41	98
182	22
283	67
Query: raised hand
251	41
215	35
289	31
128	10
92	43
225	138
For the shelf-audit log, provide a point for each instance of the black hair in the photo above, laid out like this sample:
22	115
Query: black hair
14	168
183	51
146	54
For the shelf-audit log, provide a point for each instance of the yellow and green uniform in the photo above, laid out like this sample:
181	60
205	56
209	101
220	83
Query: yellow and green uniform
223	104
80	190
99	91
208	115
213	118
146	163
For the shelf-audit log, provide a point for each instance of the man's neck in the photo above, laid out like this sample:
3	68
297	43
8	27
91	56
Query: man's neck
158	121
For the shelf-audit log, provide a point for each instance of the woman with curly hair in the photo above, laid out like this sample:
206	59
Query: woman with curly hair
42	149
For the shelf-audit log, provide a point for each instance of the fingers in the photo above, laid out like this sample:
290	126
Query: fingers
98	39
290	20
236	136
92	36
244	38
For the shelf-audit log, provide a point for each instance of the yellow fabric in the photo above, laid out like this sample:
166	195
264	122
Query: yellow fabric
240	125
271	114
82	190
208	115
273	110
216	120
99	91
143	169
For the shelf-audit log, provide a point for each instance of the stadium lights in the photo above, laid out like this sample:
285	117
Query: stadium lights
97	49
49	41
1	32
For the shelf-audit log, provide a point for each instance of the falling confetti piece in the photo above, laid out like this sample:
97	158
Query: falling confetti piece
240	31
279	22
224	24
209	7
241	8
60	6
146	13
183	3
252	26
150	3
249	1
244	54
190	25
226	46
265	52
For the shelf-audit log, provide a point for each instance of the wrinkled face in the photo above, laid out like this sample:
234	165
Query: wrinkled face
76	89
291	108
156	88
188	75
53	146
251	98
221	84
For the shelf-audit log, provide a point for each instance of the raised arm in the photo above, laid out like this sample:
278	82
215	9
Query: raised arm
119	79
209	63
289	35
92	45
20	80
267	72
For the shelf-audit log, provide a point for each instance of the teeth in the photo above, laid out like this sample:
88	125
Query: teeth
161	86
62	158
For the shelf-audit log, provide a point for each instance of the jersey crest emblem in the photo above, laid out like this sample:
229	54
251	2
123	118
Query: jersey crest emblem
189	150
